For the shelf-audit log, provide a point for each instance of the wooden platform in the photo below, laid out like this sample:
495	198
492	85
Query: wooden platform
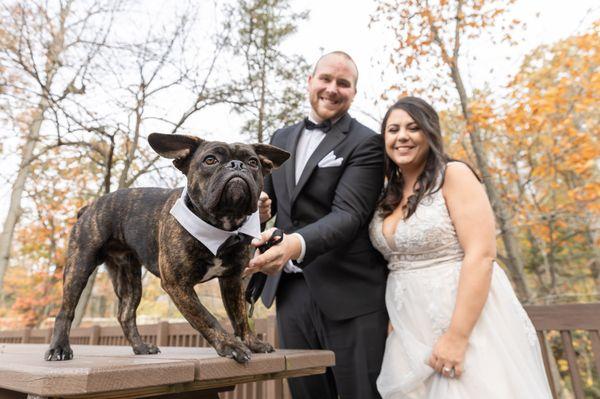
114	372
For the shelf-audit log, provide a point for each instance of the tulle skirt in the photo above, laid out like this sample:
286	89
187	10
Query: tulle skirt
503	359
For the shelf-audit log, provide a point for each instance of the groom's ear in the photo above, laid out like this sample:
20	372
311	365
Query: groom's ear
270	157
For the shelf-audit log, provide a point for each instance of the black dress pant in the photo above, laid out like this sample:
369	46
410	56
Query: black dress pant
358	344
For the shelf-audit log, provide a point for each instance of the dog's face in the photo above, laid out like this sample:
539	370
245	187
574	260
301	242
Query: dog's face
223	180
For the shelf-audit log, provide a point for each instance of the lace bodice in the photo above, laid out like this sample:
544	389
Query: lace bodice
426	238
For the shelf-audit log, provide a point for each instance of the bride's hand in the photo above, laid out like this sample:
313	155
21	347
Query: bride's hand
449	352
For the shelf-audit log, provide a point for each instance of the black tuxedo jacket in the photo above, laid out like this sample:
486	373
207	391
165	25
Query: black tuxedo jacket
331	208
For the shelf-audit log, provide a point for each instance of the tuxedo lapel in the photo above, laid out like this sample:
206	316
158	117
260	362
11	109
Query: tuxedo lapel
331	140
289	167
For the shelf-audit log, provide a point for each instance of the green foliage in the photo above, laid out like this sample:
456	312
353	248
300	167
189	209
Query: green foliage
271	92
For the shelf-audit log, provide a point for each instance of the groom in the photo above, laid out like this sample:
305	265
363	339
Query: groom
328	280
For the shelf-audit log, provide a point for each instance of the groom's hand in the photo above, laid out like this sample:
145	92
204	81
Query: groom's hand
273	260
264	207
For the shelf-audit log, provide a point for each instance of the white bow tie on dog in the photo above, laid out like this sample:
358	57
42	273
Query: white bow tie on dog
330	160
211	236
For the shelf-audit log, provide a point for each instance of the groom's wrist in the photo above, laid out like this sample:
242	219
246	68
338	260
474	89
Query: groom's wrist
295	246
300	257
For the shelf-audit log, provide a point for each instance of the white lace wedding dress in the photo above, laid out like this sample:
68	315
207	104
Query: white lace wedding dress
503	359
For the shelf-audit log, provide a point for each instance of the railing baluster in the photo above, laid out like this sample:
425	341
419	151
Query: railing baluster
259	391
546	352
595	338
572	361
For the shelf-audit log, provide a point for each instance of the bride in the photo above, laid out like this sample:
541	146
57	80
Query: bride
459	331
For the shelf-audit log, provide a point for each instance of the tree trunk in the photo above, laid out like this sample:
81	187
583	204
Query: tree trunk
139	110
89	287
515	262
54	49
263	86
592	237
84	299
14	208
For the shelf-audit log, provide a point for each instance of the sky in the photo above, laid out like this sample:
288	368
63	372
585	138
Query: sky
335	25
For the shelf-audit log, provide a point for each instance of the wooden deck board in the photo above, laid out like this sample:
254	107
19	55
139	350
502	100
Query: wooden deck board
26	372
210	366
105	369
301	359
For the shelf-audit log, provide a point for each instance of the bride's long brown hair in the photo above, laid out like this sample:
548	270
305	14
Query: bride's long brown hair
428	181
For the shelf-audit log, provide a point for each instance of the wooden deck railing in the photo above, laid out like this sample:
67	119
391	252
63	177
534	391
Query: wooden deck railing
570	338
569	335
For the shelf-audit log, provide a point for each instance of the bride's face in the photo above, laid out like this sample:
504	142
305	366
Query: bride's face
405	142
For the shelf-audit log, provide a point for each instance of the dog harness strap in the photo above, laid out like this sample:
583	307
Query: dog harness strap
258	280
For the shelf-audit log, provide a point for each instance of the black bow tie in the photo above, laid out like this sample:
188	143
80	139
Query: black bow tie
325	126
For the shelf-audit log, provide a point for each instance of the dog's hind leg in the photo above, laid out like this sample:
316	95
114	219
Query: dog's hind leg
126	275
80	265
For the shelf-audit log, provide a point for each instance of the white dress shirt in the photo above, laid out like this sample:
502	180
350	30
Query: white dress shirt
307	144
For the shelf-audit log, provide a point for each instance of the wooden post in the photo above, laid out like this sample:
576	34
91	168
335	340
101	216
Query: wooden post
162	335
48	338
26	338
271	330
286	390
576	381
94	335
273	388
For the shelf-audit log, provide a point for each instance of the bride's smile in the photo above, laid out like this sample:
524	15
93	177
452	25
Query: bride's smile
405	143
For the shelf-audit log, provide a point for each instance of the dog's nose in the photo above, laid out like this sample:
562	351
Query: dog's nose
236	165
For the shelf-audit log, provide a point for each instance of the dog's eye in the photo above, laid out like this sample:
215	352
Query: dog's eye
253	162
210	160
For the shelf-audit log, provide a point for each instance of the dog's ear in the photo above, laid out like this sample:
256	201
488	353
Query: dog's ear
178	147
271	157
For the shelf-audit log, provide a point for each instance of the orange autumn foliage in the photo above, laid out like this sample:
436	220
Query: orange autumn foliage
34	280
553	145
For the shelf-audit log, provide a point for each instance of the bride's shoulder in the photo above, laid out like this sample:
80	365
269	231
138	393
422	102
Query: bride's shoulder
459	176
457	170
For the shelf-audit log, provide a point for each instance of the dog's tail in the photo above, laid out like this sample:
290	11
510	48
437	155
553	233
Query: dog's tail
81	211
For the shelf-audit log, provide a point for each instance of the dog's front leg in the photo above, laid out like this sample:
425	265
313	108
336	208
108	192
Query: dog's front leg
201	319
235	304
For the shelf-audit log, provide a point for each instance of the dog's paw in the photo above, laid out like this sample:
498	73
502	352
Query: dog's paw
59	352
233	348
258	346
146	349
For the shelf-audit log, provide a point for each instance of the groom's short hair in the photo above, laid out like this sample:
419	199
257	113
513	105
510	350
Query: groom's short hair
342	54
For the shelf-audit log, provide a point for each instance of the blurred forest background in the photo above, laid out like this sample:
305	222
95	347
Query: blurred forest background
82	84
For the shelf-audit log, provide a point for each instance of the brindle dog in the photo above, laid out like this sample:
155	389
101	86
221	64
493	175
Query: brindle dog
133	227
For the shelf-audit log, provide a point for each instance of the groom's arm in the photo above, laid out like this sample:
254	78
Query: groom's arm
355	199
268	186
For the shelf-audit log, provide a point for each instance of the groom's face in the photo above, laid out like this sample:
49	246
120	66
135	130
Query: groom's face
332	87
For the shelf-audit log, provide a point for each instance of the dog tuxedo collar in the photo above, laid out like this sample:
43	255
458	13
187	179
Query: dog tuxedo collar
212	237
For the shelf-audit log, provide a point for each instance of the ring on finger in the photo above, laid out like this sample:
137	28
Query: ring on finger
450	371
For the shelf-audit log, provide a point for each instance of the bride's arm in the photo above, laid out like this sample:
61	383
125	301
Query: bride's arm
473	219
